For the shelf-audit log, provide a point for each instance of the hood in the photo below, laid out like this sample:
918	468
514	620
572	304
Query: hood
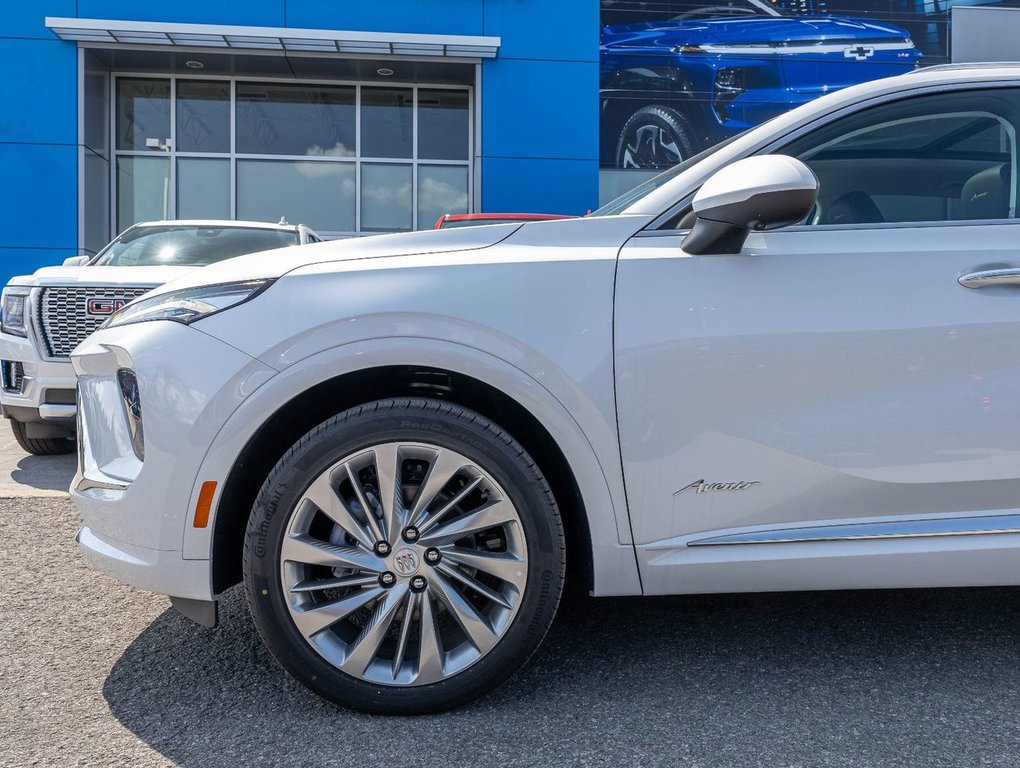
119	276
753	30
273	264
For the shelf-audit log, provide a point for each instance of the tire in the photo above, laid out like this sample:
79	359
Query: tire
654	137
495	479
40	446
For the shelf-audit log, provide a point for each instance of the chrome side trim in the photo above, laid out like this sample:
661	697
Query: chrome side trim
908	529
84	483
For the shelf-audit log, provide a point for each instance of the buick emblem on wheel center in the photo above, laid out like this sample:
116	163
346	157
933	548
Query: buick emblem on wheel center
405	562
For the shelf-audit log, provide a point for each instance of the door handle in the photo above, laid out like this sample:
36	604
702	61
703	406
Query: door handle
986	277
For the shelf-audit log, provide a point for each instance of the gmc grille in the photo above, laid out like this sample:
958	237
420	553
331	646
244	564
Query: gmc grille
64	320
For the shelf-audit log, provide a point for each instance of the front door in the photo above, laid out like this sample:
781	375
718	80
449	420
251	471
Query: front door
832	407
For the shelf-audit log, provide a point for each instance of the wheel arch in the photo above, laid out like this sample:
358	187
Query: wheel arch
259	451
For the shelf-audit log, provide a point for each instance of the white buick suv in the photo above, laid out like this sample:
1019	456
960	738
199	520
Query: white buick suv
790	363
47	314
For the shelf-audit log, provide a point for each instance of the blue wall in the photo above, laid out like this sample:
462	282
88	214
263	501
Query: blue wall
38	140
539	107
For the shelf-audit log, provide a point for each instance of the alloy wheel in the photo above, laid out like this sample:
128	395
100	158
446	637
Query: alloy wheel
403	564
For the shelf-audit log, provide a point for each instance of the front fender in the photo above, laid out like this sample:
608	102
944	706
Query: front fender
595	465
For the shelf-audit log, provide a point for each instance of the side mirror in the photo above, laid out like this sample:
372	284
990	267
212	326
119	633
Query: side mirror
754	194
77	261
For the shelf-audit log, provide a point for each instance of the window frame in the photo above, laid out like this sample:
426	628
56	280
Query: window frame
660	225
172	154
778	146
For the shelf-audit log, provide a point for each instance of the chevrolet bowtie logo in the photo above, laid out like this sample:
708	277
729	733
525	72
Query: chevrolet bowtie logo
858	52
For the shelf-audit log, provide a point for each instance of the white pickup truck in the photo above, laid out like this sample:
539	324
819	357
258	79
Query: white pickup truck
45	315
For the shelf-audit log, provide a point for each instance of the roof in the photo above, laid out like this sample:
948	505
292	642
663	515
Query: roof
219	224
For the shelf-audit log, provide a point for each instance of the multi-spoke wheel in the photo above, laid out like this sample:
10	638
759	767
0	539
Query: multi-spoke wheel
654	137
405	556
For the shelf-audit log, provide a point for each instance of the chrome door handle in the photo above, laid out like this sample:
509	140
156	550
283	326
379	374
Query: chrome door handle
986	277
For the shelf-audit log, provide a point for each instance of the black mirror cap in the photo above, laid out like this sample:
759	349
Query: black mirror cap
723	229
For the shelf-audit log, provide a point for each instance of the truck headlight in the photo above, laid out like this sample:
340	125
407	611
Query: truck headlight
188	304
14	308
729	84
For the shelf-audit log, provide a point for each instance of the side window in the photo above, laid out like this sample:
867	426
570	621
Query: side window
942	157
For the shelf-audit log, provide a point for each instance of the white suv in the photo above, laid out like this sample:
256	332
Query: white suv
791	363
47	314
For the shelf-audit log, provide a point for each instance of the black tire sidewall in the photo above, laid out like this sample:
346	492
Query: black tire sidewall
663	117
423	421
41	446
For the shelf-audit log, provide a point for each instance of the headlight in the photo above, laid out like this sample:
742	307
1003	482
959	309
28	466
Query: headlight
15	301
729	84
189	304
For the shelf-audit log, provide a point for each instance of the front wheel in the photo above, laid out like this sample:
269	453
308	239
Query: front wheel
405	556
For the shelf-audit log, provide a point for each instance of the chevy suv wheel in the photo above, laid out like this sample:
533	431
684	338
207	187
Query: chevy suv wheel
654	137
405	556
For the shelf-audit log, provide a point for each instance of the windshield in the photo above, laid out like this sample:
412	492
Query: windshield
627	199
189	246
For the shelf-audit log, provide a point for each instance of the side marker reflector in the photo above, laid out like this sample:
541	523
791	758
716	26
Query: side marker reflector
205	498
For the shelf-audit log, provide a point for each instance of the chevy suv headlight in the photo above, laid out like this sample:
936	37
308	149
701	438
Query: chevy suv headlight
14	309
188	304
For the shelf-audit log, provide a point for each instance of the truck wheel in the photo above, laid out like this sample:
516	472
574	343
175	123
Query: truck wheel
654	137
40	446
405	556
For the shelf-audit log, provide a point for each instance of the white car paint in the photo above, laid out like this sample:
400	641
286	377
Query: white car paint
43	372
822	377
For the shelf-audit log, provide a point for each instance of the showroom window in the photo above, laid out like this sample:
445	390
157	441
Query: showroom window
343	159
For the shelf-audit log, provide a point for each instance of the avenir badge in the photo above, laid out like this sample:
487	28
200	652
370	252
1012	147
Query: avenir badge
700	486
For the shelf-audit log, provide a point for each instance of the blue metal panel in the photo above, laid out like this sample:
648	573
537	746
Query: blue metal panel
449	17
22	261
27	19
539	29
540	109
40	103
539	186
259	13
38	204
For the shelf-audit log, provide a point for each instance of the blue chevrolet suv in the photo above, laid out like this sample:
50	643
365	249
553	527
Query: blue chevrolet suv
672	88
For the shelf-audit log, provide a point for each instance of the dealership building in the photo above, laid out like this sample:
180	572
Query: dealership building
377	116
352	118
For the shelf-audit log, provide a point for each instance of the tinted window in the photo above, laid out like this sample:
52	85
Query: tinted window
314	120
189	246
944	157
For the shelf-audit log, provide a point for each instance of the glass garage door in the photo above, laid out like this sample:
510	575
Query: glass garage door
342	158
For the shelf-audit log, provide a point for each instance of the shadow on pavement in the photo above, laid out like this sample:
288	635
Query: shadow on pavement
869	678
50	473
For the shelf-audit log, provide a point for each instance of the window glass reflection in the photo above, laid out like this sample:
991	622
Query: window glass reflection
442	125
387	122
203	116
316	121
441	189
143	114
143	190
203	188
318	194
385	198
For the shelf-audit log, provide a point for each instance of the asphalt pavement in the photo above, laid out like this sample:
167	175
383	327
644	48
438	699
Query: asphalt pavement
96	673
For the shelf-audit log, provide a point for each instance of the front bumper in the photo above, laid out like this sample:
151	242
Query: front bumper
42	378
135	511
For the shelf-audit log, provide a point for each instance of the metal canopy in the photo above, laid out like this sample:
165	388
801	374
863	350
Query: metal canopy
107	31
